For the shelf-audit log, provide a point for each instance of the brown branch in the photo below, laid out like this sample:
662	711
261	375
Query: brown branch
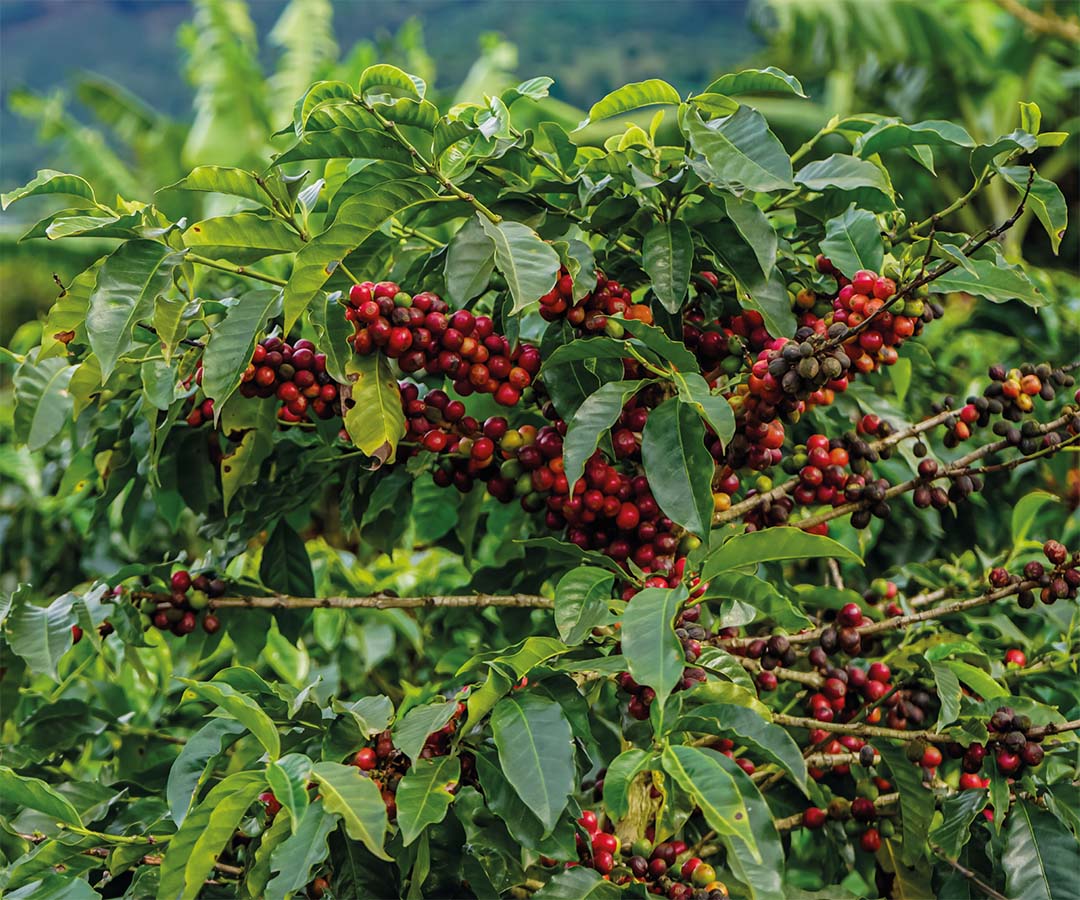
148	860
969	875
893	734
380	601
1043	23
811	679
882	805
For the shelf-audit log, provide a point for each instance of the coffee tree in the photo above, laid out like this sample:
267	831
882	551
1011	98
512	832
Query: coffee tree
520	487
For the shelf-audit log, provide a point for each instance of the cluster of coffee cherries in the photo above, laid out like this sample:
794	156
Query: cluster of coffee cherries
1058	581
189	595
860	817
666	869
296	375
690	634
592	313
387	765
1011	746
421	332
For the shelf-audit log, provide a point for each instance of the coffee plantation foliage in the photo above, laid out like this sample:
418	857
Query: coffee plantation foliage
534	510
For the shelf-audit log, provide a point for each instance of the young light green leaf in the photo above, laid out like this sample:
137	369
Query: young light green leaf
1023	514
667	253
622	771
997	281
423	796
892	133
49	181
384	78
1045	198
357	800
634	96
193	850
375	420
529	264
678	466
842	172
581	602
223	180
536	751
242	708
127	284
653	652
769	80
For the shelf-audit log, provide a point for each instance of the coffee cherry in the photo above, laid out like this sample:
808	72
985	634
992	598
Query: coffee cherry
870	840
850	614
1032	754
211	623
180	581
814	817
863	809
1056	552
1015	657
1007	762
365	759
603	862
270	803
601	840
931	758
702	875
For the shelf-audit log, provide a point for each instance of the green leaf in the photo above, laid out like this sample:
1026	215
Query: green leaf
285	566
996	281
842	172
916	801
536	752
242	708
1016	143
700	774
949	693
581	602
127	284
357	800
678	466
892	133
1025	510
1045	199
755	229
769	80
656	340
332	329
741	151
578	883
320	94
423	796
40	635
771	545
853	241
56	887
242	465
713	408
297	857
358	219
767	740
592	421
621	772
223	180
668	256
193	850
384	78
653	652
957	813
411	731
634	96
529	264
1039	858
753	598
344	143
288	779
49	181
276	833
190	768
375	421
764	880
43	403
22	791
242	238
977	680
170	320
470	260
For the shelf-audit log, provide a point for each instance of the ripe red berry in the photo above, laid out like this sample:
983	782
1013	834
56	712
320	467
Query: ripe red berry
878	671
850	615
628	516
507	395
870	840
603	861
211	623
1007	762
270	803
365	759
180	581
814	817
588	821
863	810
931	758
1015	657
601	840
970	781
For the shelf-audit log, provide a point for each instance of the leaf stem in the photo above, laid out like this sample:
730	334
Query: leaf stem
234	269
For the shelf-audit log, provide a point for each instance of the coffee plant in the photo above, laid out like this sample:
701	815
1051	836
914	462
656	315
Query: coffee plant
526	494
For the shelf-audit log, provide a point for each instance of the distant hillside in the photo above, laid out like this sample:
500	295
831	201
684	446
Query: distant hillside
588	47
